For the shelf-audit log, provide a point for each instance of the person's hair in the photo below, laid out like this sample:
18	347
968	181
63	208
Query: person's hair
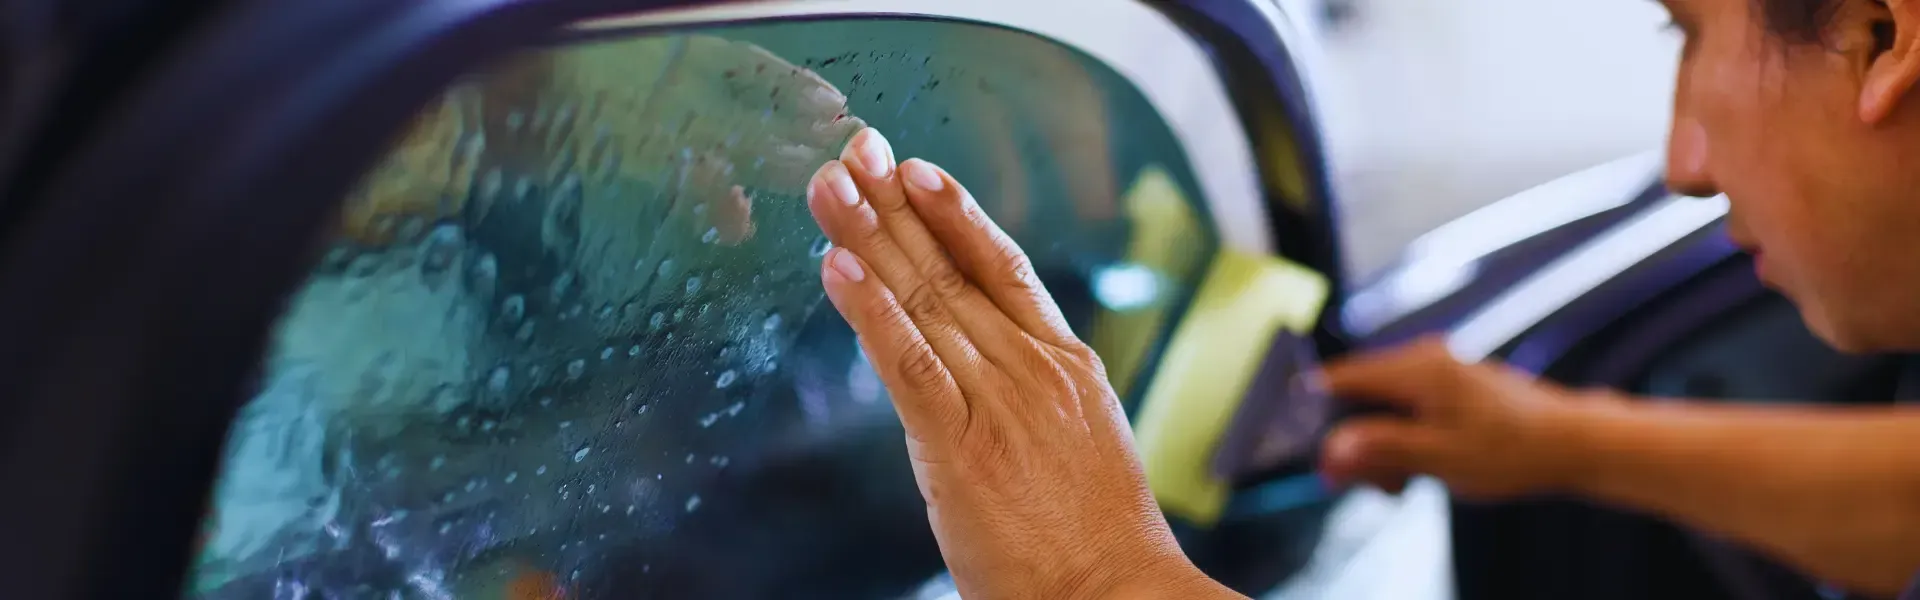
1797	20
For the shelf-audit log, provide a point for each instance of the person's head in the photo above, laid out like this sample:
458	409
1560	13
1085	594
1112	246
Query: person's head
1806	114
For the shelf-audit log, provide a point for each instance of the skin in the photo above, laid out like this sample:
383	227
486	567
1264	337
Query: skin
1033	486
1020	447
1813	143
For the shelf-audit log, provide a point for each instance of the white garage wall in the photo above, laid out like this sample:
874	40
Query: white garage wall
1434	107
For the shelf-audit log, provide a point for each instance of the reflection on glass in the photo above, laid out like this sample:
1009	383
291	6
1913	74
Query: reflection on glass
569	341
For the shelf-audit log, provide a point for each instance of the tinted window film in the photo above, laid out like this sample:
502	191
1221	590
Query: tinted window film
569	337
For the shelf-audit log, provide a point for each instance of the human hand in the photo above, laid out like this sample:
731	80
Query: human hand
1487	430
1019	445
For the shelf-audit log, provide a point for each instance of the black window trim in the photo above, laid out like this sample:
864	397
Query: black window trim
144	291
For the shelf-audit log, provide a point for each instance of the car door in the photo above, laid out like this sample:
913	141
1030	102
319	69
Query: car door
1688	321
1636	290
469	299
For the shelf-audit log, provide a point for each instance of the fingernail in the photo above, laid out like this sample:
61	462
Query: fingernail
840	183
876	156
843	263
922	174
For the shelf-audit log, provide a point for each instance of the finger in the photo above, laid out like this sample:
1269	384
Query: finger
851	223
918	381
1382	452
869	160
1403	377
984	252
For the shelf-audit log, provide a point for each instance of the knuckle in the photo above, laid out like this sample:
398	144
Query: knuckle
946	281
1018	270
923	304
922	370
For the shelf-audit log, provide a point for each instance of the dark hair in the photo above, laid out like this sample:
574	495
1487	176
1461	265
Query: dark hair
1797	20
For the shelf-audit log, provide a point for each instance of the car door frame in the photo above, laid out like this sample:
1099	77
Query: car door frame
152	291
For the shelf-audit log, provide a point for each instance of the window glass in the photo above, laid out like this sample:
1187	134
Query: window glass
569	341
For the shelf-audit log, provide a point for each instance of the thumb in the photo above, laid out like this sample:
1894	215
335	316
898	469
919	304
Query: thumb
1382	452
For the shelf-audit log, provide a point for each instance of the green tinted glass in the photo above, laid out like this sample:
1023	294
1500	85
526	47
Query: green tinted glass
570	337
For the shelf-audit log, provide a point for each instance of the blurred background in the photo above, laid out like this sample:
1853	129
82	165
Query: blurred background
1433	109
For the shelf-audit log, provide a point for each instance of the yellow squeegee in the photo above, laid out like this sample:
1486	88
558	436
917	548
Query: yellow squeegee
1204	374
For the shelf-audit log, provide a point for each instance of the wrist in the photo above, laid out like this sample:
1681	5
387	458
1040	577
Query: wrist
1165	577
1170	579
1576	435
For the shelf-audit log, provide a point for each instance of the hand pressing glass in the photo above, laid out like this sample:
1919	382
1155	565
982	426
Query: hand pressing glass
1019	445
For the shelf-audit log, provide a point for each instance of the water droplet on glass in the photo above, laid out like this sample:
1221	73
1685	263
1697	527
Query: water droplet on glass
546	402
689	459
525	332
515	120
679	314
541	470
592	486
607	353
561	285
693	503
488	425
437	462
576	368
513	308
772	323
633	351
708	420
606	312
630	509
486	272
512	475
441	248
490	184
666	268
733	410
581	454
498	380
725	379
445	527
566	424
820	246
657	321
712	235
693	285
522	189
473	484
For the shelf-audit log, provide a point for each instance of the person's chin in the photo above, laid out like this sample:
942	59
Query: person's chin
1837	334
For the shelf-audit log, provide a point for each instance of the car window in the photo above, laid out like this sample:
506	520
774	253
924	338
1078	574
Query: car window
568	337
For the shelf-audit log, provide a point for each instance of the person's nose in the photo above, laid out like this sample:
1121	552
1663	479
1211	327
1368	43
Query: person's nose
1687	159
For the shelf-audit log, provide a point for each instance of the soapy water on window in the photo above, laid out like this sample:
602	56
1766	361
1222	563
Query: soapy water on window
466	377
581	292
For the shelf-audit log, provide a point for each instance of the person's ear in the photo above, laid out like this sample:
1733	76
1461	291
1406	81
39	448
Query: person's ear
1894	67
